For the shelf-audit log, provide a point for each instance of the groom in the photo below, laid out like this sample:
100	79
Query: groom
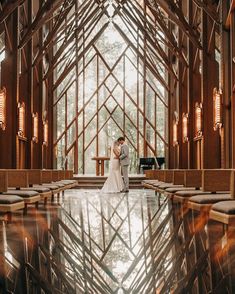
124	161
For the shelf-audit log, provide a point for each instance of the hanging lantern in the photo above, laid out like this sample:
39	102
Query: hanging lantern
185	127
35	127
198	119
217	109
175	133
45	133
3	109
21	122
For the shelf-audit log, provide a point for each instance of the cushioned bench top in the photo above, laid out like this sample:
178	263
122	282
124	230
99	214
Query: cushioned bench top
169	185
149	181
24	194
59	184
69	181
210	199
177	188
191	193
227	207
10	199
37	189
50	186
157	184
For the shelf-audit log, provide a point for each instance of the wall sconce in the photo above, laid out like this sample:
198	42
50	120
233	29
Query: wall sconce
217	109
185	127
3	109
45	133
35	127
175	133
21	122
198	119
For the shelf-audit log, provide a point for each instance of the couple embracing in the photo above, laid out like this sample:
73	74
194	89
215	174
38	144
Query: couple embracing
119	162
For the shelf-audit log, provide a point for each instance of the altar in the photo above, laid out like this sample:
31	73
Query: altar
100	164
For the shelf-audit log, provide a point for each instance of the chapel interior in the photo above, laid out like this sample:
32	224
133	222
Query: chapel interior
75	75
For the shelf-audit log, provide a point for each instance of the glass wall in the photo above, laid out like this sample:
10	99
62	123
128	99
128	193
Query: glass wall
110	82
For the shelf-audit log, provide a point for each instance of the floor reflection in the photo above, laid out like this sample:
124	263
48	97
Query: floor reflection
89	243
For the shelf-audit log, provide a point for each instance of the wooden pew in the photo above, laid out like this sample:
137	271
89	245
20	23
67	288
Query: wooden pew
178	183
217	182
68	174
58	177
221	235
155	178
19	179
35	184
8	203
47	181
66	177
193	181
172	179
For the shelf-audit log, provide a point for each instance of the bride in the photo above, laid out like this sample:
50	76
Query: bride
114	182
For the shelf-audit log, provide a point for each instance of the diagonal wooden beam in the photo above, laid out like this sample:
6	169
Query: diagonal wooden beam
44	13
8	8
176	15
68	69
214	15
71	38
151	68
154	43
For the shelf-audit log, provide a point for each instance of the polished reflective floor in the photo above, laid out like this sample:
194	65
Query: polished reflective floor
88	242
117	239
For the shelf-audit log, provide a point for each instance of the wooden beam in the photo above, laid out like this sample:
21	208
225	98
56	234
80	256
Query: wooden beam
9	8
228	20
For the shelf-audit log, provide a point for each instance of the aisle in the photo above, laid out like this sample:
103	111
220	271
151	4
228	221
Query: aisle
120	239
90	243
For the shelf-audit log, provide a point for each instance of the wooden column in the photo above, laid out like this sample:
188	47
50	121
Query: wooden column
226	87
10	81
232	73
193	78
183	98
210	74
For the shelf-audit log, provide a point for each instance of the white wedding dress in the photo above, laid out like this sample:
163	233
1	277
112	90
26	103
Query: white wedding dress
114	182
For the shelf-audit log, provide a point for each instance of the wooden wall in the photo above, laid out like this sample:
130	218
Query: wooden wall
197	79
23	82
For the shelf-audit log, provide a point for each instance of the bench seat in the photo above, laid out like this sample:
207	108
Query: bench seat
59	184
210	199
52	187
204	202
227	207
69	181
190	193
169	185
10	203
223	212
177	188
6	199
28	196
44	192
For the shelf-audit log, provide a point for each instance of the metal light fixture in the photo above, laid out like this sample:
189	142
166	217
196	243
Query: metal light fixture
35	127
185	127
198	119
3	109
21	122
175	133
217	109
45	133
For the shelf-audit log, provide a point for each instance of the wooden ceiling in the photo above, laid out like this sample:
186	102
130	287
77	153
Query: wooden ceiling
165	15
